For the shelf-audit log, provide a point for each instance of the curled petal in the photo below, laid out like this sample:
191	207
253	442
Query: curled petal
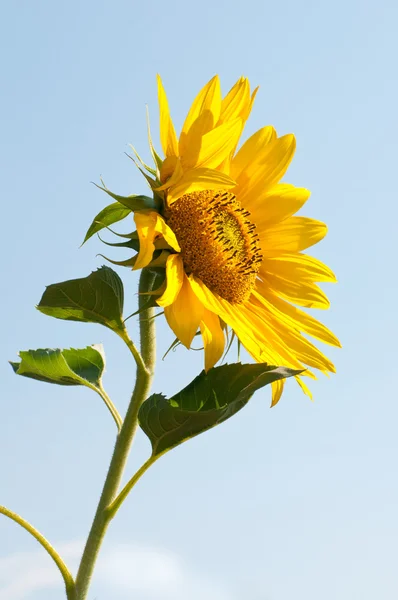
149	226
174	278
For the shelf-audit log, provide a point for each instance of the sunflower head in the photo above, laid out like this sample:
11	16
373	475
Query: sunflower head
224	229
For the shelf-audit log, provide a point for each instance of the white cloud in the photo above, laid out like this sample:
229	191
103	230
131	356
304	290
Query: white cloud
152	573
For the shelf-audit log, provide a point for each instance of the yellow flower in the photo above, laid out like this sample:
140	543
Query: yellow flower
235	249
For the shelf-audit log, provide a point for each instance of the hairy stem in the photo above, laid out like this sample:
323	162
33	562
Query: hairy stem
145	367
68	579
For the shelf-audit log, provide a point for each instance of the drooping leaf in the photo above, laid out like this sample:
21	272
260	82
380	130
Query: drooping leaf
97	298
208	400
83	366
110	214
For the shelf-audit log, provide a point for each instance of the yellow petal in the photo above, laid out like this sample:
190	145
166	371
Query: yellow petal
276	205
208	100
303	351
236	103
266	169
277	389
212	148
246	114
213	338
303	386
168	136
161	260
223	309
197	180
204	113
174	279
149	226
259	339
145	223
170	173
292	235
307	353
294	317
168	234
298	267
251	148
303	293
185	314
274	348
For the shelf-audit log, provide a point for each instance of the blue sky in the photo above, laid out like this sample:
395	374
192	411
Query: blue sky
294	502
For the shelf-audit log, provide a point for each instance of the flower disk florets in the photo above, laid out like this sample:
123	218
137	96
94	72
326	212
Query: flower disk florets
219	244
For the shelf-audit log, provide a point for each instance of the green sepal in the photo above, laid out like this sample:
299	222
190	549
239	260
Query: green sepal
133	243
128	236
158	161
110	214
147	167
152	182
207	401
72	366
132	202
97	298
156	157
128	262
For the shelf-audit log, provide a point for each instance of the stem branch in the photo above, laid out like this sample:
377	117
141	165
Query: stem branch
111	407
118	501
67	577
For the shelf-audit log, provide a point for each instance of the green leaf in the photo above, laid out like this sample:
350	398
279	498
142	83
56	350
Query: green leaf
132	202
110	214
65	367
97	298
208	400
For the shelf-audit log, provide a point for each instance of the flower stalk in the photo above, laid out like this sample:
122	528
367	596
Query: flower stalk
145	361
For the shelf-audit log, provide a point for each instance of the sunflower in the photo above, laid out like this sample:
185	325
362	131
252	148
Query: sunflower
233	249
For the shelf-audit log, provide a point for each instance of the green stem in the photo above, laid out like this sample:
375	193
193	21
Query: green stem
145	368
68	579
118	501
